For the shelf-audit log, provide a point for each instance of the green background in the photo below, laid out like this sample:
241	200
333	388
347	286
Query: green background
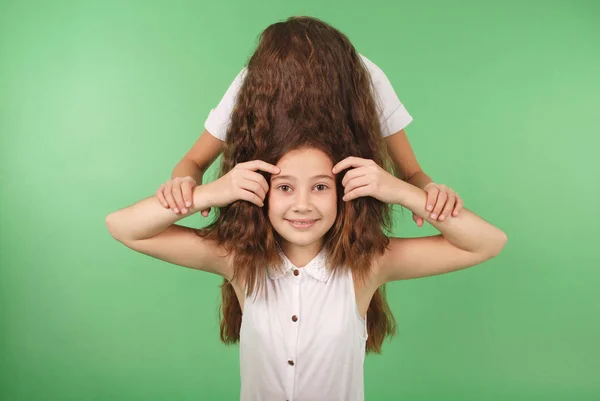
99	100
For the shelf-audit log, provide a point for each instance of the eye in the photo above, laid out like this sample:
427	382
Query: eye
284	188
321	187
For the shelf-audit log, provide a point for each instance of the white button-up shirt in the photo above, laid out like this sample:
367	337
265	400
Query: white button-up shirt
306	340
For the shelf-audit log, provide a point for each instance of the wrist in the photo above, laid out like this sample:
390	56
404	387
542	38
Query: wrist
398	191
202	197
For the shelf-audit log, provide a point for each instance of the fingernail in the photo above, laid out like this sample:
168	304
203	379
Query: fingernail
442	218
433	215
184	211
188	203
176	210
429	207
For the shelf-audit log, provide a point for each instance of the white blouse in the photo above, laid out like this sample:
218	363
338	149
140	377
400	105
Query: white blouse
306	340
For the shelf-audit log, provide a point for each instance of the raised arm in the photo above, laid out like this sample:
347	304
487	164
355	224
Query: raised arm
176	193
149	228
198	159
465	240
189	171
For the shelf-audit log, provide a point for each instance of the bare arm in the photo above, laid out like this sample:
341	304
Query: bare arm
465	241
403	156
176	194
441	202
197	160
149	228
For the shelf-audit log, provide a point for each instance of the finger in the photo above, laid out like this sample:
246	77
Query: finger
161	197
251	197
351	174
440	202
254	187
432	194
347	163
458	207
252	176
418	219
356	183
205	212
357	193
186	190
172	204
450	202
178	196
260	165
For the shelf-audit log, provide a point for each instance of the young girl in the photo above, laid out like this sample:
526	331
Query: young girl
299	238
299	241
313	56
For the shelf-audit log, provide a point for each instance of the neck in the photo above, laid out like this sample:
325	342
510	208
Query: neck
300	255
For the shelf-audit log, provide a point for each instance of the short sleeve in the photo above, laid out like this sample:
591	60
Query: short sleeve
219	118
393	116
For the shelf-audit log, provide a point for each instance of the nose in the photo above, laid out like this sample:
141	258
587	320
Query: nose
302	202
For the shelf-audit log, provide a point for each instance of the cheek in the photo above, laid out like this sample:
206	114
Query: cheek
329	206
276	204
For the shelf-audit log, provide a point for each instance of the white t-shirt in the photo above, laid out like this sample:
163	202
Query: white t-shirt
393	116
306	341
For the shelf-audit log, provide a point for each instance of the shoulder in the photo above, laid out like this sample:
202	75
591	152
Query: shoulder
374	69
237	82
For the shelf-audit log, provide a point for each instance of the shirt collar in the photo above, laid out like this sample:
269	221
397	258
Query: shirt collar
316	268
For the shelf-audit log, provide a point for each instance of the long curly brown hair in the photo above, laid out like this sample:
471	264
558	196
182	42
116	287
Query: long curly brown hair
305	86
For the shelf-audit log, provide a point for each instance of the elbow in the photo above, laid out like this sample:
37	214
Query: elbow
113	227
110	225
497	245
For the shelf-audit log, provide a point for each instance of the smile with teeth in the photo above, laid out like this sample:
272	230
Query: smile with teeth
302	223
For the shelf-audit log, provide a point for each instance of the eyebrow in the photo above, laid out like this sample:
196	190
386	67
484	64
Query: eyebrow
289	177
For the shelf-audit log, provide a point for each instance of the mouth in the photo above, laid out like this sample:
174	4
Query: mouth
303	223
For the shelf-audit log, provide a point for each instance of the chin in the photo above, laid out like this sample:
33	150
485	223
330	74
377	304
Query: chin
300	239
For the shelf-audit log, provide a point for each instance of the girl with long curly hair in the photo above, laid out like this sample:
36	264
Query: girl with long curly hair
300	243
306	59
300	236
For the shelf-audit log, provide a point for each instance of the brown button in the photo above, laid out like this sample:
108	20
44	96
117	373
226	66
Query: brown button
295	318
296	272
291	363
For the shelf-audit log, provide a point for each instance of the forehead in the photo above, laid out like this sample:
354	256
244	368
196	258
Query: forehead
308	161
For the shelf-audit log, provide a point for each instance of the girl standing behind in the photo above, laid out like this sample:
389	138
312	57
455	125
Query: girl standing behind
305	57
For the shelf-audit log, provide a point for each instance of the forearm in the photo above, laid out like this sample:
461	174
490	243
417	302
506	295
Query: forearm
187	167
466	231
148	217
419	179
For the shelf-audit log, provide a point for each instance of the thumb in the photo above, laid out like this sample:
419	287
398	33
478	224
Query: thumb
205	212
417	219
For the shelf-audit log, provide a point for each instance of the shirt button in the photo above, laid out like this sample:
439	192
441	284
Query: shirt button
295	318
296	272
291	363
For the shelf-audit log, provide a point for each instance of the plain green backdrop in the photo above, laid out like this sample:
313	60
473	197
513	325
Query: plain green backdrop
99	100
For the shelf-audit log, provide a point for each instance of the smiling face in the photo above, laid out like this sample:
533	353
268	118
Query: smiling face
303	198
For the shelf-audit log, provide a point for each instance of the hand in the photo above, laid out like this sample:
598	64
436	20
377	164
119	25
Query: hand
441	201
242	183
176	194
367	178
